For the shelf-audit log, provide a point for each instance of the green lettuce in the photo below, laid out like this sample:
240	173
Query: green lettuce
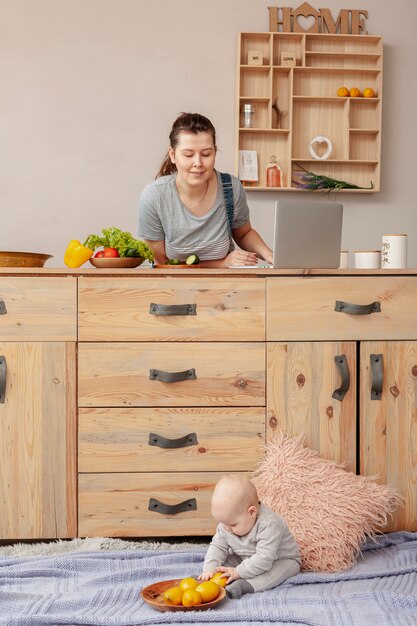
122	241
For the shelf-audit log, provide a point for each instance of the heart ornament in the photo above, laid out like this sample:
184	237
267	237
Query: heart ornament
321	148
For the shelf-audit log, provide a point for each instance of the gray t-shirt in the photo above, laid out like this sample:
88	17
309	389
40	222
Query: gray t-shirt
163	217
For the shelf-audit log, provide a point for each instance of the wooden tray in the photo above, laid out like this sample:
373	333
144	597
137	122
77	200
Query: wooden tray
179	266
154	596
116	262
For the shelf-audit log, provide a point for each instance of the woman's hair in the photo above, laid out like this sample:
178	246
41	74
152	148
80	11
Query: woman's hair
189	123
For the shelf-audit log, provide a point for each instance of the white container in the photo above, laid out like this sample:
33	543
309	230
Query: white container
248	111
394	251
367	259
344	259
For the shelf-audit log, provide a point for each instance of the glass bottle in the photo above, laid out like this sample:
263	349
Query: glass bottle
273	173
248	111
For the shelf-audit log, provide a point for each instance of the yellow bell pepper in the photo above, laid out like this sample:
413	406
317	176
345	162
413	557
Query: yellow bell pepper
76	254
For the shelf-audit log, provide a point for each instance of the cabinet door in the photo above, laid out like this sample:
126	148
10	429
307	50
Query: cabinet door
388	424
37	441
305	396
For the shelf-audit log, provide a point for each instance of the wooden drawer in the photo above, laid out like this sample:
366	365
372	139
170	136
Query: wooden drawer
122	374
304	308
38	309
119	504
134	440
119	309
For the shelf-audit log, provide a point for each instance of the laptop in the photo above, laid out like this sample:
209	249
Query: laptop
307	234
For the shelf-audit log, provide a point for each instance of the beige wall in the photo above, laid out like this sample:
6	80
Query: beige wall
89	89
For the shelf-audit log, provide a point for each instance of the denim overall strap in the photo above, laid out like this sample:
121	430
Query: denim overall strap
228	198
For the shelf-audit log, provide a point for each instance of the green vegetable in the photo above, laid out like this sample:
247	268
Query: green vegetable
123	241
172	262
192	260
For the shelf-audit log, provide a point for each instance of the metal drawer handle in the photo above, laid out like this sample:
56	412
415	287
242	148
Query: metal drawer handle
357	309
3	372
172	309
3	309
164	442
343	367
172	377
377	371
172	509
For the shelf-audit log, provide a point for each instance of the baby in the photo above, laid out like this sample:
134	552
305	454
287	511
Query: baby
253	547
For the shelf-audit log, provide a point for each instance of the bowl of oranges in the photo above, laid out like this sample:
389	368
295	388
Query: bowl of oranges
185	594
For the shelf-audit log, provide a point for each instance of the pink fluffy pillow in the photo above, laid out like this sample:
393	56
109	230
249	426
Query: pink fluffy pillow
329	510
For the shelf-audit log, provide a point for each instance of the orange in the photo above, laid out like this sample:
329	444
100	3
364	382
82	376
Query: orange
191	597
343	92
354	92
368	92
219	579
173	596
188	583
209	590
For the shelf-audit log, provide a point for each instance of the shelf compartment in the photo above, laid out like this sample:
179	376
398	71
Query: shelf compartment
355	172
261	115
271	131
256	42
364	113
281	90
254	81
343	60
287	42
267	143
311	119
318	82
363	146
348	44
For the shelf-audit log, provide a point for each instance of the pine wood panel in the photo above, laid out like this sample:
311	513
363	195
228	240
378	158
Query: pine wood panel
117	374
304	309
228	439
117	504
301	380
38	442
39	310
117	309
388	427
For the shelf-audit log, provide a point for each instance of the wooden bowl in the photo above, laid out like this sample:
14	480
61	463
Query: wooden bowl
116	262
154	596
23	259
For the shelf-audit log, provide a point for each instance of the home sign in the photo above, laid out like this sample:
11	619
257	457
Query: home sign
306	19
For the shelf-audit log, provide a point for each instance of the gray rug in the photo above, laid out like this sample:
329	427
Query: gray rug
97	544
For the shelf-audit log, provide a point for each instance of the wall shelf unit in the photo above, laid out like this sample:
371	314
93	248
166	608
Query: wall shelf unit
306	96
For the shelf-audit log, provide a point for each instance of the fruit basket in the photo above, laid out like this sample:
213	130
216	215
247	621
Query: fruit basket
154	596
23	259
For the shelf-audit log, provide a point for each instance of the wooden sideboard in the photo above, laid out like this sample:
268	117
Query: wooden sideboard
126	395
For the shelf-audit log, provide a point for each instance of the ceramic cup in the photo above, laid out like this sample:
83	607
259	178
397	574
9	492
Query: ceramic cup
344	259
367	259
394	251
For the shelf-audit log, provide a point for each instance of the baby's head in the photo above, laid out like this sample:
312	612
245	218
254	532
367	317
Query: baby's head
235	504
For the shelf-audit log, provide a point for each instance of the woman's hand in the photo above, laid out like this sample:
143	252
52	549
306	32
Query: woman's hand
240	257
231	573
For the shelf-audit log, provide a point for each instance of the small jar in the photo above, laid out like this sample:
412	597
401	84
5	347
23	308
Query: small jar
248	111
273	173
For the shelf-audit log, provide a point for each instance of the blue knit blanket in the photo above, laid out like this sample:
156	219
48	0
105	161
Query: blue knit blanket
103	589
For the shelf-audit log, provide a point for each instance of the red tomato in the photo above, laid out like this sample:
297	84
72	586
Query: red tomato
110	252
99	254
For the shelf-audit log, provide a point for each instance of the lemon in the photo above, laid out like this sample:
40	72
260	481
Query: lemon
173	596
343	92
219	579
191	597
208	590
188	583
368	92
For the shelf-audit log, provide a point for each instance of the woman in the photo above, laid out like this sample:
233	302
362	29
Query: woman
190	209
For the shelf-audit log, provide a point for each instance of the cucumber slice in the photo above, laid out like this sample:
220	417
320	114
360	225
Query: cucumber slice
192	260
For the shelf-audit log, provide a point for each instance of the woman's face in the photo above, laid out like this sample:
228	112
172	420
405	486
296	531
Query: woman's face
194	157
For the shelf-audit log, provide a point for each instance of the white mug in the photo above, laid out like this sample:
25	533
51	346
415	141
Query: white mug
344	259
394	251
367	259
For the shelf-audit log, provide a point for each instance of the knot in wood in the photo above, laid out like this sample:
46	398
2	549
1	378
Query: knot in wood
394	390
301	379
241	383
202	450
329	411
273	422
414	370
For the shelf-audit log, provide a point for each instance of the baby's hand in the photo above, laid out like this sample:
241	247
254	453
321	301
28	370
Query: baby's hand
231	573
206	575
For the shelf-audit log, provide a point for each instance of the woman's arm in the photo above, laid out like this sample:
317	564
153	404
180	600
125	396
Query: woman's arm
249	239
158	248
